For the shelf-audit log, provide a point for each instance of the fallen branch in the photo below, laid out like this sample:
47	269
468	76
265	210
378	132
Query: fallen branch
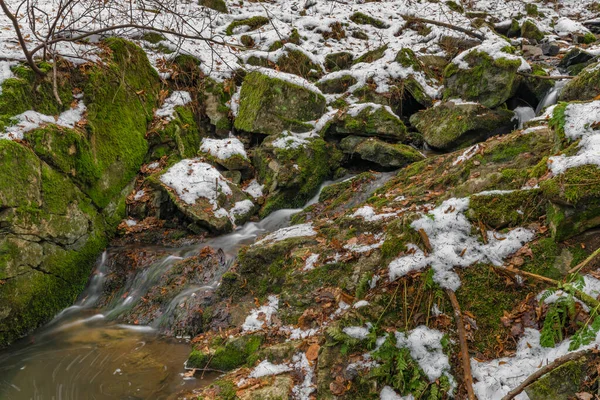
464	347
585	262
553	78
544	370
566	287
410	18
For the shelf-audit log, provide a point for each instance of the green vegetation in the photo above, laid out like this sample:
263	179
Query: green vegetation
252	23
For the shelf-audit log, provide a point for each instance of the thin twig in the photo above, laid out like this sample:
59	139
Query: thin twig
553	78
544	370
585	262
464	347
410	18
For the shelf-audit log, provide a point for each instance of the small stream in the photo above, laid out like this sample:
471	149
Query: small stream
83	354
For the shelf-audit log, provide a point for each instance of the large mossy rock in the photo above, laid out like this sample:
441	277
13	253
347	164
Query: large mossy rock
574	201
370	119
585	86
270	105
561	383
292	170
452	125
486	80
386	155
204	196
118	116
292	61
62	195
50	234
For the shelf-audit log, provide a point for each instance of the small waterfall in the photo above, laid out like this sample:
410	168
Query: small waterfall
524	114
552	96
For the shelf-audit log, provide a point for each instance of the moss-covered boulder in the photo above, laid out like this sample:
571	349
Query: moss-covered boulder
529	30
574	201
510	208
50	235
485	80
251	24
270	105
292	61
370	119
386	155
536	86
292	168
179	138
232	353
216	95
336	85
204	196
585	86
29	91
62	195
452	125
217	5
338	61
561	383
371	55
120	96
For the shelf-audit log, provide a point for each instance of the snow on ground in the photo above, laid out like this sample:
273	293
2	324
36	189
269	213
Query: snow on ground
581	120
467	154
387	393
30	120
261	316
265	368
453	245
493	46
357	332
177	98
309	264
497	377
290	140
239	209
223	148
369	214
192	179
287	233
425	346
254	189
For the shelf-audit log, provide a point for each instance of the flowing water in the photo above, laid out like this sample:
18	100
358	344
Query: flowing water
83	354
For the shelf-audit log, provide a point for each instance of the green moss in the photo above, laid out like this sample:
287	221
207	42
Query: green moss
454	6
510	209
371	56
67	150
488	81
588	38
252	23
486	296
20	177
247	40
120	97
295	185
585	86
371	121
338	61
336	85
531	10
293	62
153	37
560	383
217	5
28	91
364	19
529	30
234	353
270	106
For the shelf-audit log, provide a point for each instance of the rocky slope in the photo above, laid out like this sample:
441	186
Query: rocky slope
353	300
